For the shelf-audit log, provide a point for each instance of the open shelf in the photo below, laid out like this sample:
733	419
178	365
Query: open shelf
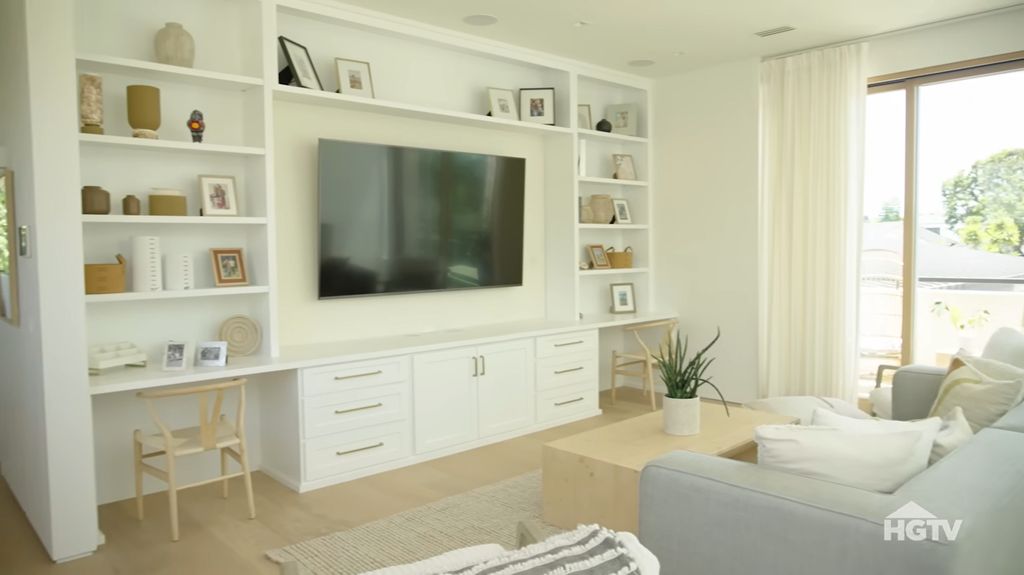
321	98
191	220
166	294
176	145
154	71
614	226
613	271
595	135
612	181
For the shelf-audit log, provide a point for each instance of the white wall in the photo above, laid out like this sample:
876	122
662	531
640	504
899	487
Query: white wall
302	317
707	170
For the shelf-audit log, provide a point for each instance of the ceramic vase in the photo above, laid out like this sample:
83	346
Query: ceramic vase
131	206
604	126
681	416
90	103
146	264
144	111
95	200
602	208
175	46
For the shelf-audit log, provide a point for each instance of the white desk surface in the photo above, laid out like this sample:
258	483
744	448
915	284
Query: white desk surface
298	357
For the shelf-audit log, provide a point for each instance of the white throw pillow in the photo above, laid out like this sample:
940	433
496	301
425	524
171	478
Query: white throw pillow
802	406
939	436
984	388
955	431
881	402
873	461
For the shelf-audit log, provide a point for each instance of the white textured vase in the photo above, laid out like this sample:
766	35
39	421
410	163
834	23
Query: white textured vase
175	46
146	264
179	273
681	416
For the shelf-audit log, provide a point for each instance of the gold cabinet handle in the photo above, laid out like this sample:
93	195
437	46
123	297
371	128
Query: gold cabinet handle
577	342
561	403
355	409
561	371
357	450
367	374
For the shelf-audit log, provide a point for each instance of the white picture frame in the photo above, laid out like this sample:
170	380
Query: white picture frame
623	298
354	78
625	167
622	214
212	354
175	356
537	105
584	119
502	104
219	196
625	118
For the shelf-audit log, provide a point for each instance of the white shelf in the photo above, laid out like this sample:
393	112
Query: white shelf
159	295
154	71
613	272
614	226
321	98
188	220
175	145
595	135
612	181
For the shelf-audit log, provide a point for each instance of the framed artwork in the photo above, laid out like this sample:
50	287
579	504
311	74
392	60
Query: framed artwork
598	257
537	105
354	78
219	197
502	103
175	356
625	169
228	267
212	354
623	298
583	120
301	65
624	118
622	215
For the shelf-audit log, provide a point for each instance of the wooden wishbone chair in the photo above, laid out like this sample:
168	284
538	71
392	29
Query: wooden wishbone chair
641	364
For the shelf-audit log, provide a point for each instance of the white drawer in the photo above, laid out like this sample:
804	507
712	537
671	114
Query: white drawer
343	452
566	343
566	402
345	376
560	371
326	414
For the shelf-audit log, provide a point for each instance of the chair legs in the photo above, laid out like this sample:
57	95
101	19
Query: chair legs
224	471
615	372
137	459
243	458
172	496
649	385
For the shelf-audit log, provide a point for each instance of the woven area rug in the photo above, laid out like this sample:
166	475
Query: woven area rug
489	514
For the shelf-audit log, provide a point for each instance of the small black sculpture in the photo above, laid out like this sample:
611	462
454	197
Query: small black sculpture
604	126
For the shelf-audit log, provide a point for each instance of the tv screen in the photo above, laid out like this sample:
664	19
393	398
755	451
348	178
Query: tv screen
397	220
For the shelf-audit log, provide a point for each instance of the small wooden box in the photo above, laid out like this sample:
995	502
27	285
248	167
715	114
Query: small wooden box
618	260
160	205
105	278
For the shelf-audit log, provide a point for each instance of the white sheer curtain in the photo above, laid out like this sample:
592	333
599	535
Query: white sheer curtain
812	139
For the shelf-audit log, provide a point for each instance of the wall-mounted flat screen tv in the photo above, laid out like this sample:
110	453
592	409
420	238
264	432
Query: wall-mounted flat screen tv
395	219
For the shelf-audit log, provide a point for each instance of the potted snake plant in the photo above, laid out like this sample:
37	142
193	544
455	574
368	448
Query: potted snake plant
683	378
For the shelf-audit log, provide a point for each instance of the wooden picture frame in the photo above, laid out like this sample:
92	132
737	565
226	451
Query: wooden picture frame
598	257
584	120
219	197
354	77
623	298
537	105
303	72
175	356
622	213
211	354
502	104
229	267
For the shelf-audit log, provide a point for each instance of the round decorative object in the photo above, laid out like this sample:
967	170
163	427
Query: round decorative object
604	126
243	335
602	207
175	46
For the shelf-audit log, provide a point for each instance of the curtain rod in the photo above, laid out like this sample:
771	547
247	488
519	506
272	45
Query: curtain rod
898	31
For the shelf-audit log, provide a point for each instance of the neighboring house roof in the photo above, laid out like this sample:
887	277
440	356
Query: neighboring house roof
940	257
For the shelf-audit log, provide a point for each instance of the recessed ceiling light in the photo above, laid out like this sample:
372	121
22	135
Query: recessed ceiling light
580	24
480	20
641	63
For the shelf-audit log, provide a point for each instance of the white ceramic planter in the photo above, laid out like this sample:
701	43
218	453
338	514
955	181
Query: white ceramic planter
682	416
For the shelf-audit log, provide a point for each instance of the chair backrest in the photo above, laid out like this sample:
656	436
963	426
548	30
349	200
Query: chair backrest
670	326
208	418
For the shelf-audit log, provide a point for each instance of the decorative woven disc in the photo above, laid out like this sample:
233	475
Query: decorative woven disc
243	335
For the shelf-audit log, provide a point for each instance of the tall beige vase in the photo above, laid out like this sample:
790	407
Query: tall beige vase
175	46
144	111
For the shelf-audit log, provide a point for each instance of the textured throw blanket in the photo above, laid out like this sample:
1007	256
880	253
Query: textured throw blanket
587	550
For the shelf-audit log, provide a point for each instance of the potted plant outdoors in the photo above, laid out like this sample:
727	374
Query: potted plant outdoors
683	378
966	326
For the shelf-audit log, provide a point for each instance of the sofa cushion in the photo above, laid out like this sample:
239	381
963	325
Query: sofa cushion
986	389
1012	421
1006	345
802	406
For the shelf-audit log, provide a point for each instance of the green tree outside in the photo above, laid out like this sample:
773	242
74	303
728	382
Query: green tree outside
985	205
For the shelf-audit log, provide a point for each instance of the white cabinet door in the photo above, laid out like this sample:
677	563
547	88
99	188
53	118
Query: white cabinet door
444	398
505	386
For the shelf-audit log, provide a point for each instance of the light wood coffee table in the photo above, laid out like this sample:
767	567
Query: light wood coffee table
593	477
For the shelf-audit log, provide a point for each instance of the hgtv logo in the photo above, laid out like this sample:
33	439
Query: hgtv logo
915	523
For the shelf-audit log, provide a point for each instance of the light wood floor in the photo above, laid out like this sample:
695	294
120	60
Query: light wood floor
216	536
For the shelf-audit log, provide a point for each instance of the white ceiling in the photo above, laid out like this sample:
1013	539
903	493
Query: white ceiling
705	31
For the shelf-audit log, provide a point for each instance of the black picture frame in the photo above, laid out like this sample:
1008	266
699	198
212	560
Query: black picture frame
294	69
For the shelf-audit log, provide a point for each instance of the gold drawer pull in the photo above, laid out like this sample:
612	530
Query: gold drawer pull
367	374
577	342
561	403
367	448
561	371
354	409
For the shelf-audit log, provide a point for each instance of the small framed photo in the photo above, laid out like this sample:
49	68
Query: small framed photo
229	267
537	105
303	72
502	103
624	118
598	257
622	215
212	354
583	119
219	197
625	169
175	356
354	78
623	298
